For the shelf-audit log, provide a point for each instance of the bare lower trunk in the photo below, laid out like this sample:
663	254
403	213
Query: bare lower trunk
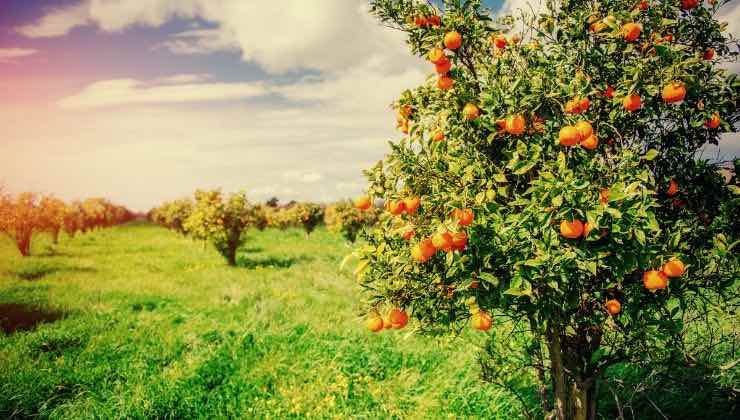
574	397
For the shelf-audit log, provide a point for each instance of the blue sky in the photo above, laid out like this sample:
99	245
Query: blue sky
146	100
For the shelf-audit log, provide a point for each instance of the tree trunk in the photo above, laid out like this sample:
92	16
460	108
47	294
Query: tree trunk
55	236
231	256
575	397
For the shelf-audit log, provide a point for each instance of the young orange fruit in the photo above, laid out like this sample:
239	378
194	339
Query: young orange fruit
613	307
443	67
584	129
464	217
632	102
631	31
374	323
515	125
445	82
481	321
499	41
442	241
396	207
713	122
398	317
674	268
453	40
412	205
459	240
672	188
438	135
571	230
437	55
591	142
654	280
471	112
674	92
609	92
363	203
569	136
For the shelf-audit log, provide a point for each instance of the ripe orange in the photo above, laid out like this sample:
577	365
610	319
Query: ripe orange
631	31
713	122
571	107
387	324
674	268
672	188
423	251
689	4
445	82
571	230
398	317
643	5
515	125
587	228
412	205
434	20
584	129
499	41
709	54
464	217
481	321
674	92
363	203
438	135
471	112
407	235
459	240
374	323
583	104
443	67
590	143
613	307
604	196
654	280
437	55
420	21
632	102
569	136
609	92
396	207
453	40
442	241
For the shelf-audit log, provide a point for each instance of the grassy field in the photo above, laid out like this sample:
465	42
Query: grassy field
143	323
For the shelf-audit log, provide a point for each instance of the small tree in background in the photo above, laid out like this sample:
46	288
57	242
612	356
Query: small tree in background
308	216
20	217
53	212
224	221
74	219
557	161
345	218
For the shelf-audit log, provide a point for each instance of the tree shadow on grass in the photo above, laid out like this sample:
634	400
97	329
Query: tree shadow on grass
18	317
253	262
36	270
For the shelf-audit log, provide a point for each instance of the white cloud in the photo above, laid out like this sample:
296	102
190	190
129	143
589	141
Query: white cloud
185	78
134	92
58	21
11	54
303	177
278	35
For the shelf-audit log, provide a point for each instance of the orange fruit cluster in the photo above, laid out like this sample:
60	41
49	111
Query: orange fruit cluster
408	205
397	318
581	133
422	21
444	240
658	279
577	105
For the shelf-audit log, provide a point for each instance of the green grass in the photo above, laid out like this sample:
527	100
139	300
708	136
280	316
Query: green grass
156	325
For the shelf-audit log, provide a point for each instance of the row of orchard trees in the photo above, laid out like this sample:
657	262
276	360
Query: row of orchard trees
24	214
225	219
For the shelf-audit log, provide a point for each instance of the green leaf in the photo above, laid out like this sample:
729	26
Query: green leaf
650	155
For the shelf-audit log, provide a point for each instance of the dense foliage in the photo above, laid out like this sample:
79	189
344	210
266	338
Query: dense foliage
557	158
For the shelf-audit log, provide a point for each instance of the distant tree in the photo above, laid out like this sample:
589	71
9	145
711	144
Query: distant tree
20	217
53	214
224	221
344	217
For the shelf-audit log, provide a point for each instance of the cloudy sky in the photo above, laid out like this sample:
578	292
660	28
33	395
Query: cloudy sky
146	100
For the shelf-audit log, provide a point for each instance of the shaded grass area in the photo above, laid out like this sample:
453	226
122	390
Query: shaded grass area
157	325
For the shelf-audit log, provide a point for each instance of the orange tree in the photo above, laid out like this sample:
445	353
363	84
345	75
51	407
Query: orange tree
74	219
53	214
224	221
555	158
346	218
20	217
